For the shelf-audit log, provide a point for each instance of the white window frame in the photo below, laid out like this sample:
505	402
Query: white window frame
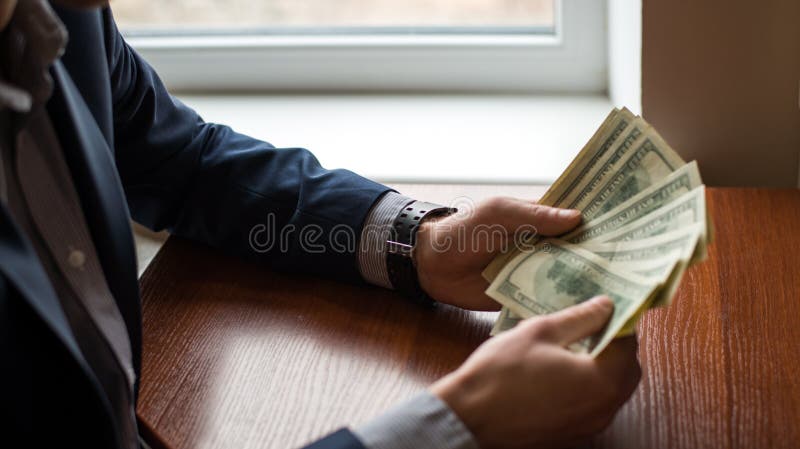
573	60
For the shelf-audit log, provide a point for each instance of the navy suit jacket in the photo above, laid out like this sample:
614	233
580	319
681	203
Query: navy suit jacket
136	152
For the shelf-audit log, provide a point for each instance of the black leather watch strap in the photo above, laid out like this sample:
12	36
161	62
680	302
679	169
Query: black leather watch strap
400	248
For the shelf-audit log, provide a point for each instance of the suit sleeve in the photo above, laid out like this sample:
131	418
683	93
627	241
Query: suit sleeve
205	182
341	439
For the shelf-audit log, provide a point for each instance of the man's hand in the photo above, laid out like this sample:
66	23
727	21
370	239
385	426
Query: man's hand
452	252
523	388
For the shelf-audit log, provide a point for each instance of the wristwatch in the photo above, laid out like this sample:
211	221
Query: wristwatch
400	248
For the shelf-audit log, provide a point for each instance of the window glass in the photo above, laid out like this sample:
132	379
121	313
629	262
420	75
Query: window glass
336	16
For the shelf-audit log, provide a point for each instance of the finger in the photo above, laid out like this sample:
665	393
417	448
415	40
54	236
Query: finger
517	215
576	322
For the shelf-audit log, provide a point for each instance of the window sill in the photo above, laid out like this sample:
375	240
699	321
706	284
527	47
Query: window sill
414	138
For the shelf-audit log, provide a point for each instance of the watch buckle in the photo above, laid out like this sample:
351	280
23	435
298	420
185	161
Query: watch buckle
401	249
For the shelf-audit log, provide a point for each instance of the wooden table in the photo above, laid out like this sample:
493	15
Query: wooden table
239	357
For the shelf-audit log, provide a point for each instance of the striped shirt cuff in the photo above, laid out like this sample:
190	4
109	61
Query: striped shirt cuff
423	422
372	244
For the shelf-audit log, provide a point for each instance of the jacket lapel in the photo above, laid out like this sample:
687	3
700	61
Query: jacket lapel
103	202
22	268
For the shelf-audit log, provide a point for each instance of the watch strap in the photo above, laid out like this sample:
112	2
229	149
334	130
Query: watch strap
400	248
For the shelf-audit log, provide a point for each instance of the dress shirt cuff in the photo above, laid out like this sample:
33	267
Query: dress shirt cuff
423	422
376	230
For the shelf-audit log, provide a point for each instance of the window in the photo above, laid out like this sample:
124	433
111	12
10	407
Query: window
343	16
440	45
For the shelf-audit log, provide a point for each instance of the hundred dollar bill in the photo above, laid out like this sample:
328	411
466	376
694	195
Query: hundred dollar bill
587	159
684	211
586	162
678	183
668	270
594	166
662	258
635	162
658	269
672	264
505	321
628	171
557	275
638	252
653	257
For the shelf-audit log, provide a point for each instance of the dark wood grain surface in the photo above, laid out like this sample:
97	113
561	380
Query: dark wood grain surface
236	356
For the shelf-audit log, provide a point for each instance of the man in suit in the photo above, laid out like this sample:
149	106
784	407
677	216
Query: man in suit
90	138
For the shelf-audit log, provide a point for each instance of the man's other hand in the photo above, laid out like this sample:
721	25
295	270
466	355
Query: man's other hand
452	252
523	388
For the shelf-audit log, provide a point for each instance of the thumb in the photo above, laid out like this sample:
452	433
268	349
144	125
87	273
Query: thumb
579	321
552	220
514	214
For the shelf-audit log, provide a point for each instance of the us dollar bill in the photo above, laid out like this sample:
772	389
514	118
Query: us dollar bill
505	321
594	166
586	162
682	212
654	257
638	159
639	254
671	240
588	158
557	275
630	169
673	267
662	259
676	184
643	211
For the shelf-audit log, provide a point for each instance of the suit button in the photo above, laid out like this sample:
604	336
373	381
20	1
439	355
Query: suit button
76	258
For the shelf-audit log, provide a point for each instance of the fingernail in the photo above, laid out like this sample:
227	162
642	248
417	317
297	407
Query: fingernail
603	300
568	213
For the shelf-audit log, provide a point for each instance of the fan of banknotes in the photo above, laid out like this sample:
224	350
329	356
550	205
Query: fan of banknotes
644	223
